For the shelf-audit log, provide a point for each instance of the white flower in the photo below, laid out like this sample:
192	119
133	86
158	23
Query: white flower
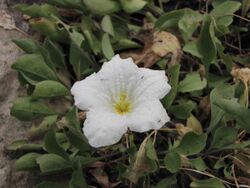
119	97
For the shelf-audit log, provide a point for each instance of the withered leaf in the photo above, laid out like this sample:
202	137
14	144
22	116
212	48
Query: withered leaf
157	45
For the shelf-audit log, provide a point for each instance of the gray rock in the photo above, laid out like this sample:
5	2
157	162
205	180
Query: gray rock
10	128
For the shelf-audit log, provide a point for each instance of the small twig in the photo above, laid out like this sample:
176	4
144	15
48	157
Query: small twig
212	176
232	46
126	139
235	178
155	135
207	4
168	129
245	19
130	185
160	4
239	40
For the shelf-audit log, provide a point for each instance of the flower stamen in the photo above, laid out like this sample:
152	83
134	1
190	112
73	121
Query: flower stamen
123	105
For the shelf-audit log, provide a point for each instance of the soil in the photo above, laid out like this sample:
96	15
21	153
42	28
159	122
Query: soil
10	128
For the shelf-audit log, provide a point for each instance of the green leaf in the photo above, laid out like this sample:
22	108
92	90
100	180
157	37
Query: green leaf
192	48
102	7
132	6
241	59
224	136
77	139
27	162
43	127
107	47
34	64
173	72
68	3
78	39
215	80
49	184
189	23
62	140
183	110
77	179
25	109
198	163
23	145
54	53
107	25
52	146
80	60
208	183
150	150
221	91
124	44
192	82
73	119
172	161
226	58
27	45
36	10
167	182
245	7
74	59
49	88
236	111
52	163
206	43
216	3
191	144
49	27
87	23
225	8
92	41
223	14
86	161
194	124
238	146
170	19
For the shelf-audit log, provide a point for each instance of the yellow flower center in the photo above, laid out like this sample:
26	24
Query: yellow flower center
123	105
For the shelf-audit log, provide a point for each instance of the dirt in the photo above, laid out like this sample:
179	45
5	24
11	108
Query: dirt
10	128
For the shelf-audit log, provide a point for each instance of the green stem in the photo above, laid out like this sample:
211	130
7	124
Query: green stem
154	9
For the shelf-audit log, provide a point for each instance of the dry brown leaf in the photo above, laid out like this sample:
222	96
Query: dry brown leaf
165	44
6	21
243	180
156	45
140	165
82	115
242	74
204	109
97	164
101	177
115	184
242	161
240	180
182	129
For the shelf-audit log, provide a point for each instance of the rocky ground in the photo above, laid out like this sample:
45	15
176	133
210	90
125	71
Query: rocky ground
11	27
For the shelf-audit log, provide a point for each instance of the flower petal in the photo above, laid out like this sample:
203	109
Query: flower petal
147	115
89	93
154	84
103	128
119	75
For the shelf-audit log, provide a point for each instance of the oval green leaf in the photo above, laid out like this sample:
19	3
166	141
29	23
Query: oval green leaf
49	88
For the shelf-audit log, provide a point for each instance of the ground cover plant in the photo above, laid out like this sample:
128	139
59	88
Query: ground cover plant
203	48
